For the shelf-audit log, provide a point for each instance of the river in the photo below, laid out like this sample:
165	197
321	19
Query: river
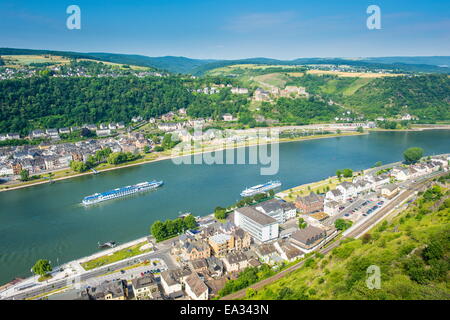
47	221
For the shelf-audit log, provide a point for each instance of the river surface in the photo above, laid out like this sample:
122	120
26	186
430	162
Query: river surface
47	221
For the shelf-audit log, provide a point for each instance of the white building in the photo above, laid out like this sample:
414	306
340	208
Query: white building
171	280
334	195
347	189
261	226
239	90
195	288
331	207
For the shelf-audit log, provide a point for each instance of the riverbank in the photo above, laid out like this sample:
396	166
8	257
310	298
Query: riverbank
415	128
164	155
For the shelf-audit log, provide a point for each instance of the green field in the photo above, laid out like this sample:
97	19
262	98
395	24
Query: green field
116	256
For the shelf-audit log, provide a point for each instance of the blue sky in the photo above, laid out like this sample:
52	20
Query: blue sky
230	29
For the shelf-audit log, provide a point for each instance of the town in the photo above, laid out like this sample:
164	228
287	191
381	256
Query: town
264	234
42	152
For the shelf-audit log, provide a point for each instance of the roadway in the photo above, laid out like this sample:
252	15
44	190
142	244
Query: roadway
87	275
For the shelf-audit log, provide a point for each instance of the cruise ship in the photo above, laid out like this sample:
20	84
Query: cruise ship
121	192
260	188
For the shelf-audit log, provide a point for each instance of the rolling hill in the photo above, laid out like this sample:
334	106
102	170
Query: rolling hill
201	66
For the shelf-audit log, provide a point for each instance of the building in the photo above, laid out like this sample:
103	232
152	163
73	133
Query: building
287	251
260	226
110	290
195	288
261	95
242	239
236	261
171	280
64	130
389	191
334	195
267	253
215	267
310	203
289	209
227	117
169	116
273	209
12	136
168	126
348	189
221	243
308	239
144	287
331	207
103	132
199	265
239	90
37	134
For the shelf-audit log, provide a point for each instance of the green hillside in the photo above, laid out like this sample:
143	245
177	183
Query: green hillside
425	96
412	252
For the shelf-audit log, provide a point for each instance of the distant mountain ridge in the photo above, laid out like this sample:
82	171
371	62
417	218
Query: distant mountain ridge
439	64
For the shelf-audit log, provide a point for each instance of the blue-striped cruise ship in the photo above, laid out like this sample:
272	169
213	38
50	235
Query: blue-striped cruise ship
121	192
260	188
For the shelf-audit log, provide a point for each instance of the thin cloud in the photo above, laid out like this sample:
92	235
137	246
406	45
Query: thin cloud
260	21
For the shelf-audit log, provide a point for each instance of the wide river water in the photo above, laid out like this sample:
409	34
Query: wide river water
47	221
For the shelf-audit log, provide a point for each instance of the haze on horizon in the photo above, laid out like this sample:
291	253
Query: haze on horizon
284	29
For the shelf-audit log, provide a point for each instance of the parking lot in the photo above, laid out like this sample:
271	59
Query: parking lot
364	208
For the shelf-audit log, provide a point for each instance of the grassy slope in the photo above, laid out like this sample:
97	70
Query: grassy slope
342	274
425	96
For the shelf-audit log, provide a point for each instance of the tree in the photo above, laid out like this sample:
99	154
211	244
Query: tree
338	131
360	129
338	173
342	224
78	166
190	222
158	230
85	132
146	149
220	213
24	175
42	267
347	173
302	223
434	250
378	164
413	155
